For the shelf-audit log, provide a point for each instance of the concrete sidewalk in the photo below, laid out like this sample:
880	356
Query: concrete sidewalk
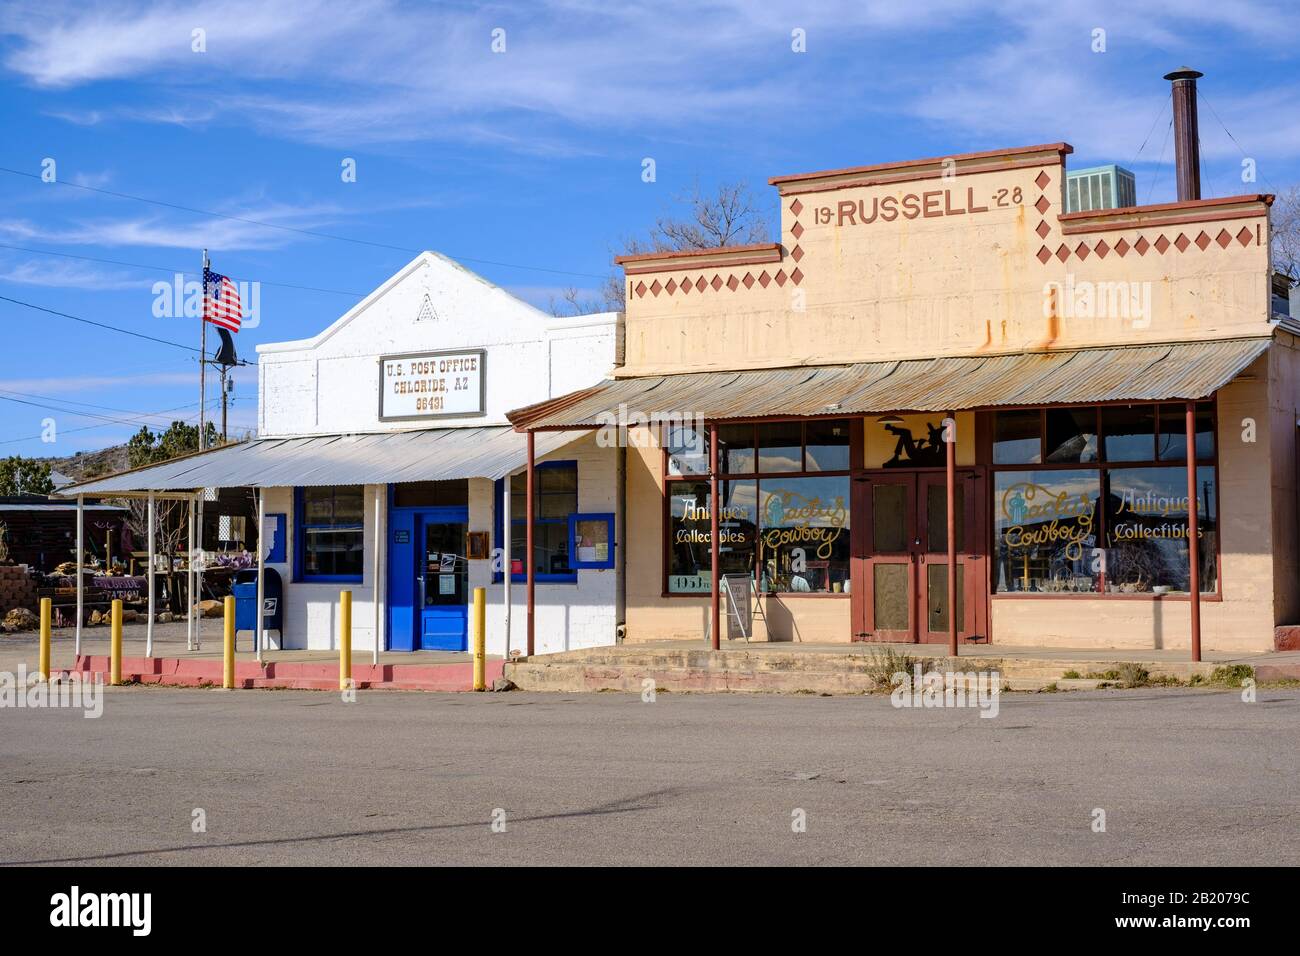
854	668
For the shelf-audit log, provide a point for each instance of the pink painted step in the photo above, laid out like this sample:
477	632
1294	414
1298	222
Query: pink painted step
299	675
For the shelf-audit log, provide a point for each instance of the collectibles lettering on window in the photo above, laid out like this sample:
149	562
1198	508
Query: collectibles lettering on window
1145	516
930	204
431	385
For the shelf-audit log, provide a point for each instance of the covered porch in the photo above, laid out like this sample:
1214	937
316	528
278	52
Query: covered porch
958	398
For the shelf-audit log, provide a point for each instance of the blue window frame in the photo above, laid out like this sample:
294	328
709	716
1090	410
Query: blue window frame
329	534
555	501
591	541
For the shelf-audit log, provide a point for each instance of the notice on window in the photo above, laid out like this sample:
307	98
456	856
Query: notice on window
431	385
446	584
593	540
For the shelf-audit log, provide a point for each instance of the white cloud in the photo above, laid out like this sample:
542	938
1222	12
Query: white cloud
358	72
170	232
69	275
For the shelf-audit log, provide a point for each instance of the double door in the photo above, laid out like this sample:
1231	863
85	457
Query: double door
900	557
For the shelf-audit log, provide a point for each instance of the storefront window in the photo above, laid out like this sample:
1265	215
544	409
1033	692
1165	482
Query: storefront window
1129	433
1173	432
827	445
1045	531
330	533
804	534
1071	435
688	449
780	446
555	498
788	527
1147	528
690	533
1017	437
736	449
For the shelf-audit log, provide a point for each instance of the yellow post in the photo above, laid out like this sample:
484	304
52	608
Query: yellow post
115	645
345	639
228	653
45	638
480	639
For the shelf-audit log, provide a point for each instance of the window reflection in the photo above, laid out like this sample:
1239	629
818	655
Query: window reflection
1045	526
804	534
1147	530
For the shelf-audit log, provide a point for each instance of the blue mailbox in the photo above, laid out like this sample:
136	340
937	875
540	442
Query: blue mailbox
245	591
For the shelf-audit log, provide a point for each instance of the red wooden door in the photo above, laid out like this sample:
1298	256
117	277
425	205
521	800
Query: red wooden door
900	557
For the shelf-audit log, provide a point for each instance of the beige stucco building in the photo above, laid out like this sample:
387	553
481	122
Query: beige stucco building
1073	349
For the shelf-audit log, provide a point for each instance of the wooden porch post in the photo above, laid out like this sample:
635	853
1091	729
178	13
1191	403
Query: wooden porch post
529	560
1193	532
715	608
950	436
81	553
149	578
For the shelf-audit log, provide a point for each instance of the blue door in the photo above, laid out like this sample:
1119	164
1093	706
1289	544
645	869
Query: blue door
442	579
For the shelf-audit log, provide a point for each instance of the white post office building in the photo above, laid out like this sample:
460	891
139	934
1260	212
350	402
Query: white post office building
386	466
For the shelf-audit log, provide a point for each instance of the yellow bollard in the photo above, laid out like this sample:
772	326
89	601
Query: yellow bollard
228	652
345	639
45	638
480	639
115	645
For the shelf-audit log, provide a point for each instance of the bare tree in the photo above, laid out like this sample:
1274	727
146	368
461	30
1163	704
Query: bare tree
172	529
573	302
1286	232
729	216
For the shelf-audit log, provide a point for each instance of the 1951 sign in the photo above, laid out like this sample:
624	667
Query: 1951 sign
431	385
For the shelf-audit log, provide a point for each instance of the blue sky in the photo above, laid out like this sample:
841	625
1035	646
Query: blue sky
531	157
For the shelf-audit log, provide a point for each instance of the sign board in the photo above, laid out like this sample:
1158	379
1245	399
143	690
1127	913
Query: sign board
739	589
426	385
273	540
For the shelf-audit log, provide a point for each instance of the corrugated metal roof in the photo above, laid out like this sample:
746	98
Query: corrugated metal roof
1183	370
434	454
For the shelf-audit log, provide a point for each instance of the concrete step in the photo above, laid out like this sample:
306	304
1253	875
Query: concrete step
773	672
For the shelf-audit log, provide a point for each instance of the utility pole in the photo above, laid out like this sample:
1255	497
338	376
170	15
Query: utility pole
203	357
225	393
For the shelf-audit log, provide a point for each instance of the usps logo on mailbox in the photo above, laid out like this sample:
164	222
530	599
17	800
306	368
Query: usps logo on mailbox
269	605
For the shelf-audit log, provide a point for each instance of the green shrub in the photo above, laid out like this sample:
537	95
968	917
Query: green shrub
1232	674
1133	674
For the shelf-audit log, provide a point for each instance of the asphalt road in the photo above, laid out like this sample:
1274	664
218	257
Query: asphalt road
1184	777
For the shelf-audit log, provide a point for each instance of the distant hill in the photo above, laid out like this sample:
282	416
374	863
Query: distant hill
91	464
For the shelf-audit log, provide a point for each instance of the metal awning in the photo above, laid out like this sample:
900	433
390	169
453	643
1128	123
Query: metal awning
435	454
1184	370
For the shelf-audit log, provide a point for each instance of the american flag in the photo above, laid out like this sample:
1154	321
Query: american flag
221	304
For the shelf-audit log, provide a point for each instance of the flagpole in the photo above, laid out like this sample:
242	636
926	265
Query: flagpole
203	359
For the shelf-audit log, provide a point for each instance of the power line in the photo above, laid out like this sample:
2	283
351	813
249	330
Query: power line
1233	138
108	419
1159	113
69	401
141	265
100	325
1161	162
303	232
85	428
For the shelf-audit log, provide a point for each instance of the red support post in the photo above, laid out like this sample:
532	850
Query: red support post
529	560
715	507
1193	535
950	434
